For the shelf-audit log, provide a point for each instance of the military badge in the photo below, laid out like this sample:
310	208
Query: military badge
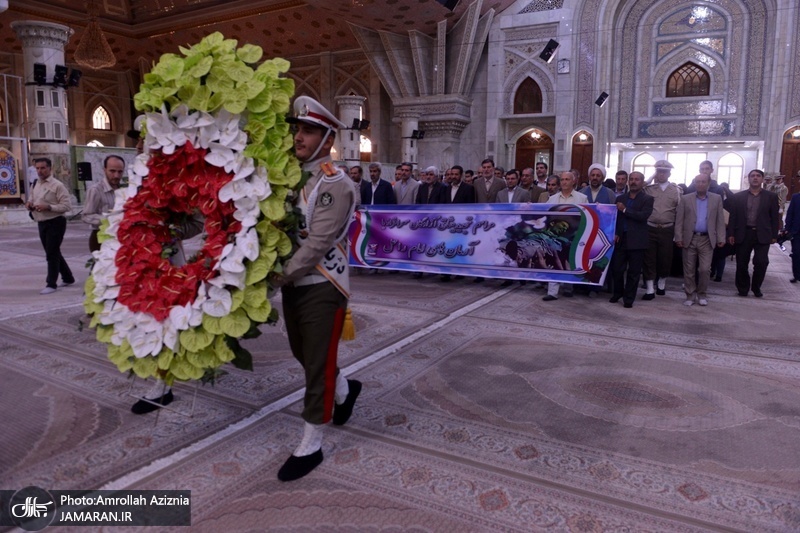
326	199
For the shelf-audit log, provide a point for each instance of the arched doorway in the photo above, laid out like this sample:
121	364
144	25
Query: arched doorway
533	147
790	159
582	152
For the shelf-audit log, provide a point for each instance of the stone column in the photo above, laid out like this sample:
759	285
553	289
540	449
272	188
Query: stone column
47	125
349	140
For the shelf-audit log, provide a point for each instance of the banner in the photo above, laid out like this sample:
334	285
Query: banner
541	242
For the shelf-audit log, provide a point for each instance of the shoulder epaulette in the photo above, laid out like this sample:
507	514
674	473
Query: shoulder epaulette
328	169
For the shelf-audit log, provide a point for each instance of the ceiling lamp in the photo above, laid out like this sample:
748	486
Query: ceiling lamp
94	51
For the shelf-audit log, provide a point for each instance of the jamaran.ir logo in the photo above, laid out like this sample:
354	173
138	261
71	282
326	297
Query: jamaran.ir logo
32	508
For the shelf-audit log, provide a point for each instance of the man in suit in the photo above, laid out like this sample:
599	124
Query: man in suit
405	189
596	192
792	228
631	238
457	192
430	189
752	227
699	227
528	182
376	191
488	185
513	193
541	174
621	179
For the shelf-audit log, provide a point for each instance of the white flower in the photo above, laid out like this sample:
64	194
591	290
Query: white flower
247	211
219	156
235	190
231	279
163	133
179	316
247	242
145	342
219	302
242	167
232	259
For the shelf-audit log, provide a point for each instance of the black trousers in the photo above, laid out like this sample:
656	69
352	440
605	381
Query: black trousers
314	316
760	253
796	256
623	260
658	258
51	233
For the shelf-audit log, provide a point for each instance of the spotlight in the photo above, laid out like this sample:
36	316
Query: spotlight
549	51
421	135
415	134
39	73
364	125
74	78
601	100
449	4
356	122
60	77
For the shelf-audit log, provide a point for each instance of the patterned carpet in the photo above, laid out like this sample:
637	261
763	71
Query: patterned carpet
506	414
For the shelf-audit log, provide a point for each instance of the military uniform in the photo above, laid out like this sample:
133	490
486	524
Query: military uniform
317	283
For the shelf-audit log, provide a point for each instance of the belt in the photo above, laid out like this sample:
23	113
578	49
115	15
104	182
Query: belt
652	225
701	233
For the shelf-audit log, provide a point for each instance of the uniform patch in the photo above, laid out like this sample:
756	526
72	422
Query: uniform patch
326	199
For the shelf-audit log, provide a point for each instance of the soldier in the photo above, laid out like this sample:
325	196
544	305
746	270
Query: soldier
658	257
315	284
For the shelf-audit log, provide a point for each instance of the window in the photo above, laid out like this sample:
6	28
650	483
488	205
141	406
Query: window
644	163
100	119
687	165
688	80
94	143
57	130
39	98
730	170
528	98
42	130
55	99
366	144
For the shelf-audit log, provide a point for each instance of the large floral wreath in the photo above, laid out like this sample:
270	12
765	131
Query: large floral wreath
216	155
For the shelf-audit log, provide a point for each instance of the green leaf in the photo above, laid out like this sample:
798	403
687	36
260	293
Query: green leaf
224	352
203	359
257	132
212	324
237	297
201	68
284	246
243	359
249	53
145	367
280	102
259	313
235	102
213	39
272	207
238	71
261	102
169	67
195	339
256	271
255	294
104	333
164	358
200	98
268	234
235	324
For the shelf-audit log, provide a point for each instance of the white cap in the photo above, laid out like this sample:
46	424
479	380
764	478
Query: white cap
663	164
308	110
599	167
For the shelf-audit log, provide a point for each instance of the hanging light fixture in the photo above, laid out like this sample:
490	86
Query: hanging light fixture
94	51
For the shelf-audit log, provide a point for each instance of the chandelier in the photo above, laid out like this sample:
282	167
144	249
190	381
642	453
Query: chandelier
94	51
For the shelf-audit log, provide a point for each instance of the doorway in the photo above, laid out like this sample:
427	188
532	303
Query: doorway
534	147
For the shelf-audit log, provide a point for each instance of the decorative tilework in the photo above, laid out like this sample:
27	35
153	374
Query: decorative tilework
542	5
687	128
672	108
794	101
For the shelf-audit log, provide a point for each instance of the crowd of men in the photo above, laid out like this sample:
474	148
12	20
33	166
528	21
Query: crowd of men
705	221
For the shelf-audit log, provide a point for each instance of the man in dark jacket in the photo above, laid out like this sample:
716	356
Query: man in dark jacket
752	227
631	239
376	191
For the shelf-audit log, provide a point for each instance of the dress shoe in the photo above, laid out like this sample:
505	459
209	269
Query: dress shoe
614	299
341	413
478	280
661	292
702	301
649	296
627	305
758	294
446	277
142	407
743	294
67	283
47	290
793	280
717	279
506	283
549	298
523	283
416	275
297	467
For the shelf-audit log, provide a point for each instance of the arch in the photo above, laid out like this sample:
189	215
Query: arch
528	98
644	163
713	65
95	143
101	119
303	87
527	130
541	77
689	79
112	110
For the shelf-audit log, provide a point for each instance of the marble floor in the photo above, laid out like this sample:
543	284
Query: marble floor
484	409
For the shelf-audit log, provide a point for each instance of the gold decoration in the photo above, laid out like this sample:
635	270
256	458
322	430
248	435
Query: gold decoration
94	51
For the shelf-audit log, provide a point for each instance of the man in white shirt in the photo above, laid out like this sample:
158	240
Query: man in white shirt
567	195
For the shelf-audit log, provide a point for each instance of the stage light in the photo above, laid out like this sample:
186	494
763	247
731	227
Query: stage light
601	100
74	78
39	73
60	77
364	125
